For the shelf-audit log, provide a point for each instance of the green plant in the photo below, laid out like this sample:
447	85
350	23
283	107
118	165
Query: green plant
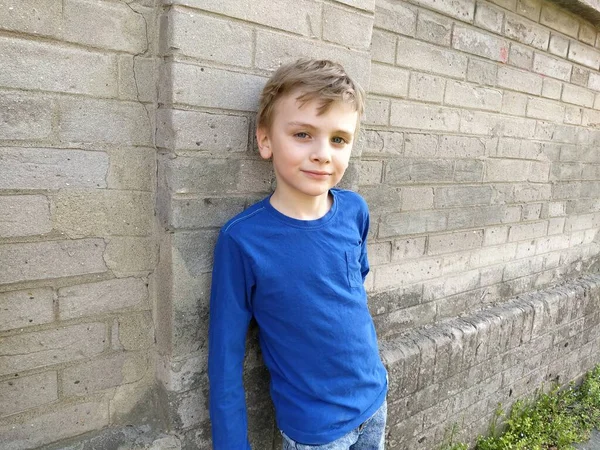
552	420
448	443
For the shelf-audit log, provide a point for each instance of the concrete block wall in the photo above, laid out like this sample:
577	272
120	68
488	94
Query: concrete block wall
478	157
217	57
77	195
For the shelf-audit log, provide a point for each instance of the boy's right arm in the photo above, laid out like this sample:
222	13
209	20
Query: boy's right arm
230	315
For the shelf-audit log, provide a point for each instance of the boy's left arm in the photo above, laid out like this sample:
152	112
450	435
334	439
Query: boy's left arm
364	260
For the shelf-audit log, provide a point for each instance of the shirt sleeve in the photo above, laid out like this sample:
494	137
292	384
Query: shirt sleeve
230	315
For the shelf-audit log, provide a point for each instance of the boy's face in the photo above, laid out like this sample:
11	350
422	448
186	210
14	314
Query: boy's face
310	151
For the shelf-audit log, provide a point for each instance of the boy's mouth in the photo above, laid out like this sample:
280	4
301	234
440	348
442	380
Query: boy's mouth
318	174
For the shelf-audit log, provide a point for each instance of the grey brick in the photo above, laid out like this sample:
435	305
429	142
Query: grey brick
424	117
381	143
205	212
578	96
24	215
406	273
475	217
396	17
22	309
508	4
530	9
400	321
377	111
421	145
580	76
545	110
382	198
514	103
482	72
193	130
46	168
60	423
407	171
458	9
131	255
102	297
41	66
489	18
213	88
506	170
26	116
274	49
558	19
552	67
104	373
38	17
45	260
468	171
207	38
559	45
425	87
413	222
211	176
449	243
23	393
55	346
390	81
520	56
471	96
132	169
475	122
137	78
582	54
519	80
368	5
552	88
109	121
524	231
116	26
81	213
369	172
587	33
434	28
518	148
447	197
282	15
481	44
349	28
383	47
417	198
408	248
430	58
527	32
135	331
379	253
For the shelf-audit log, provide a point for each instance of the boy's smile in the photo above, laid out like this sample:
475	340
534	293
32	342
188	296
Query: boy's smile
310	152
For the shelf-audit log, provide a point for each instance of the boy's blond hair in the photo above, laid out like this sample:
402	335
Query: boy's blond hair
321	80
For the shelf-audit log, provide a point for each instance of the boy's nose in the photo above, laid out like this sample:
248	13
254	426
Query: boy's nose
322	152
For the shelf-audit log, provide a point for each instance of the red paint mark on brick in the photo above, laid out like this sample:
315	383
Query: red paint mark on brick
503	54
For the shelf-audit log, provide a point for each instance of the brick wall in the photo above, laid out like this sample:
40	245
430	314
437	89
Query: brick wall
478	157
77	195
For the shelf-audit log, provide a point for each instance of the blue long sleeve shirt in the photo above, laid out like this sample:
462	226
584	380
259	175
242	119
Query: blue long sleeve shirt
302	281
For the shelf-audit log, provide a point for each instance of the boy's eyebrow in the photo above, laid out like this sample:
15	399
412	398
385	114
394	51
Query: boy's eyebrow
312	127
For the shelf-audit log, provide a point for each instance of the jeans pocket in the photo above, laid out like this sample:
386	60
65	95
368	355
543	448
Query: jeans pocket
288	443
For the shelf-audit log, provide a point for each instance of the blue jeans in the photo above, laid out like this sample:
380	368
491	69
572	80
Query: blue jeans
368	436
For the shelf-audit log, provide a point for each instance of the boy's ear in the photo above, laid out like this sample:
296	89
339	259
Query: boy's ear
264	143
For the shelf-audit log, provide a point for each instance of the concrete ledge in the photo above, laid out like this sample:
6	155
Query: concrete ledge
587	9
458	371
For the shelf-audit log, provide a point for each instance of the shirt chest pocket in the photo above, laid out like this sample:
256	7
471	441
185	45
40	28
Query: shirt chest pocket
353	267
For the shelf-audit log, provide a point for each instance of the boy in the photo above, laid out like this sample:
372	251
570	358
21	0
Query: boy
296	262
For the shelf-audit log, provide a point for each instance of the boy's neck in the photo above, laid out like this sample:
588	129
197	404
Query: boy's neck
301	207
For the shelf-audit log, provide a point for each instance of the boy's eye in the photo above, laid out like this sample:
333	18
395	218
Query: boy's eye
301	135
339	140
